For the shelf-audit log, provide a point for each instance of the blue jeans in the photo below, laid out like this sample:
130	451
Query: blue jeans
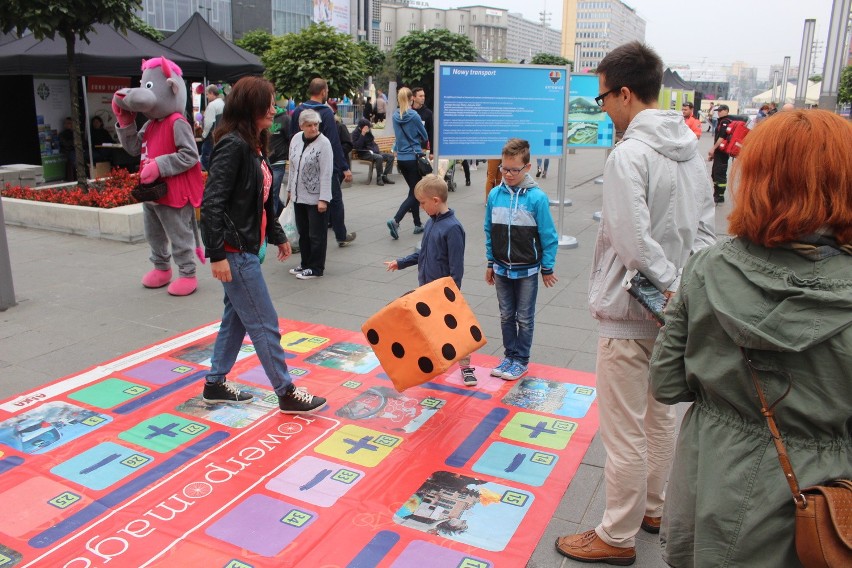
516	298
248	308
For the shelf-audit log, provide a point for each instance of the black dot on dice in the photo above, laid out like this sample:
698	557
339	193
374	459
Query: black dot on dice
450	321
425	364
448	292
373	337
398	350
448	351
476	333
423	309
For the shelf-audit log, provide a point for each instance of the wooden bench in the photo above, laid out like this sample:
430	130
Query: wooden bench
385	144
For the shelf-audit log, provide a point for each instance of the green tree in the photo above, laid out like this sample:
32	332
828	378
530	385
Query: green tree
548	59
317	51
416	53
374	57
815	78
142	28
71	20
256	41
844	90
387	72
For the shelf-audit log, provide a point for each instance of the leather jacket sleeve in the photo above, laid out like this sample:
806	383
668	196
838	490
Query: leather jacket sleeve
232	206
221	180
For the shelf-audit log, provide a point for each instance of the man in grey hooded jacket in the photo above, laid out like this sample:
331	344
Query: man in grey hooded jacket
657	210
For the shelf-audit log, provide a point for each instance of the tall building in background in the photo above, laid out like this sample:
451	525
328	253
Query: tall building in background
232	19
598	27
486	27
525	38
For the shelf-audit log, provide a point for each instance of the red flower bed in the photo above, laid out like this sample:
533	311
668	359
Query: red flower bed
106	193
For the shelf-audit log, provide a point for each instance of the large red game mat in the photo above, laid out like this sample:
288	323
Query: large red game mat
123	465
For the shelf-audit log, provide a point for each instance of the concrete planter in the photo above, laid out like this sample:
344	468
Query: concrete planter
118	224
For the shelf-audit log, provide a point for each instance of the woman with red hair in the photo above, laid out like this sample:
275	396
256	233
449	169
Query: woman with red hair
776	298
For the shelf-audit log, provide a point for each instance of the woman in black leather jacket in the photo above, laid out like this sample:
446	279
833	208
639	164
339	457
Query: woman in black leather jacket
237	215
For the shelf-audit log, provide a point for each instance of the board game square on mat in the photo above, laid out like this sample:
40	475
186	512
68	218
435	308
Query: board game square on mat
128	470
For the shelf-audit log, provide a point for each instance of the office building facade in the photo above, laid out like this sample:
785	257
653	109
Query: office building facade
234	18
598	27
525	39
486	27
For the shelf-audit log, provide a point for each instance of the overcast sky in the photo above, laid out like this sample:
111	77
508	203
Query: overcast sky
759	32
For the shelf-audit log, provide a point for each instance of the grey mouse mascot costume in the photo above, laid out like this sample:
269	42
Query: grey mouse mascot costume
168	152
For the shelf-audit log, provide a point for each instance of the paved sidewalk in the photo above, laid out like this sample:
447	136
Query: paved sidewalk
80	303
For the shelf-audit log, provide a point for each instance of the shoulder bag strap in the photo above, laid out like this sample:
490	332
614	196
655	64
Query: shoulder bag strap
769	413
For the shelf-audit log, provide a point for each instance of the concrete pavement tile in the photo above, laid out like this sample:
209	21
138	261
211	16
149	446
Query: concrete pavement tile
596	454
562	316
551	335
583	362
571	298
22	378
553	356
32	344
579	494
590	345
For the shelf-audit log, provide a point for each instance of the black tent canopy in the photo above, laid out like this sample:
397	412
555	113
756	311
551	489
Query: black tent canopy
223	60
109	52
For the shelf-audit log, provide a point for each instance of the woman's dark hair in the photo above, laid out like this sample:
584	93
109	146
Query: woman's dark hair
99	119
249	100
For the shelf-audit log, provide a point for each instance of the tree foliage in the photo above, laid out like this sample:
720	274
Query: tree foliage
815	78
71	20
374	57
142	28
317	51
416	53
256	41
844	90
548	59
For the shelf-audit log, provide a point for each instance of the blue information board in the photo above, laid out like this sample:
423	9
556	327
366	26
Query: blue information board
480	106
588	125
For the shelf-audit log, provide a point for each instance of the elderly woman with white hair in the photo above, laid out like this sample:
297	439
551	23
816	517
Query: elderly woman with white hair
309	187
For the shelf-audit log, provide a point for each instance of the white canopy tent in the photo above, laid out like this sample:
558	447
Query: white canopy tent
811	94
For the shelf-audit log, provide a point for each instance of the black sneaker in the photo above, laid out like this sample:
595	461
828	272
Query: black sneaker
468	376
300	401
347	241
224	392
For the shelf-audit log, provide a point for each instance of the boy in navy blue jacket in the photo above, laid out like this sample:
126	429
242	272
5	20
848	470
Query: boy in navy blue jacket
442	248
520	243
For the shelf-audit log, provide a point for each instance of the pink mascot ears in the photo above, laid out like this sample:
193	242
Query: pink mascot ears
168	66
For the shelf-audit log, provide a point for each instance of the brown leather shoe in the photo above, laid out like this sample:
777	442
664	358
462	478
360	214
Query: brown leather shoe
651	524
588	547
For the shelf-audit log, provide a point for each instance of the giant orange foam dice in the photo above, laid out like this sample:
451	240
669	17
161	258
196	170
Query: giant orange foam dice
418	336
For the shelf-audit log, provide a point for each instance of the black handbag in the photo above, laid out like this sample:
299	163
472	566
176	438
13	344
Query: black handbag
150	191
424	167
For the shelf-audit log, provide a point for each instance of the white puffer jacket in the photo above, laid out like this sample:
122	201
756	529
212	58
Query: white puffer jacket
657	210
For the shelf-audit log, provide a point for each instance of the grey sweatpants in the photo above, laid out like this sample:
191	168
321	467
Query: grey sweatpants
166	225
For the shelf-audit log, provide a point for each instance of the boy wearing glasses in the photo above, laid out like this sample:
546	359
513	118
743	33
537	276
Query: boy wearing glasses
520	243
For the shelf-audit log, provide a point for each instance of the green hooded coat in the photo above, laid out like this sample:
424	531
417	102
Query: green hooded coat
727	502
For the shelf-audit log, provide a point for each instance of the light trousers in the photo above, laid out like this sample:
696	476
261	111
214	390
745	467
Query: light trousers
638	435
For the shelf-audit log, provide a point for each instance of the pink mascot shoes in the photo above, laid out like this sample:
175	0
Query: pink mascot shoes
183	286
157	278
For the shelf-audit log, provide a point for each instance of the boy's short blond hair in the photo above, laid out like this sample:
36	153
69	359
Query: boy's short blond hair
431	186
517	148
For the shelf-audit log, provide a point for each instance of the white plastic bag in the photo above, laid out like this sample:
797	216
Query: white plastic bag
288	222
